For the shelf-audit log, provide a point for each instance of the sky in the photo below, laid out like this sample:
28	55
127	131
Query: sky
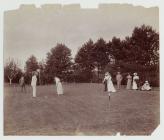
31	30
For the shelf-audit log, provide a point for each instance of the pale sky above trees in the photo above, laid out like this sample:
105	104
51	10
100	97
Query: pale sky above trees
31	30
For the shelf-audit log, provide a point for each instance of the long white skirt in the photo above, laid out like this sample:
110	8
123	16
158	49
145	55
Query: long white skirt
144	87
34	91
128	86
110	86
134	85
59	88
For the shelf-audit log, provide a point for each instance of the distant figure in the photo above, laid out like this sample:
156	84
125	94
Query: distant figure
105	83
118	79
33	84
58	86
22	83
146	86
129	81
135	81
110	87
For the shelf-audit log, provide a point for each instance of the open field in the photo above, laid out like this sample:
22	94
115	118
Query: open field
83	110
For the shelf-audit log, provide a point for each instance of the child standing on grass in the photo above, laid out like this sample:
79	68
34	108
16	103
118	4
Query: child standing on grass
110	87
58	86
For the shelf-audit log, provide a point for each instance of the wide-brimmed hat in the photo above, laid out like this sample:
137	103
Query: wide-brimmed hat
135	73
107	73
34	73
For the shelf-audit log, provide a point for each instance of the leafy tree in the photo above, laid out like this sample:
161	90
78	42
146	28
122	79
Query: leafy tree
92	57
41	72
145	45
125	52
58	61
11	70
116	48
31	64
81	75
100	55
84	57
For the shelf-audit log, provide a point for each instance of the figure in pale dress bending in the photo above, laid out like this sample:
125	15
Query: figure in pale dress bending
135	81
33	84
129	81
110	86
58	86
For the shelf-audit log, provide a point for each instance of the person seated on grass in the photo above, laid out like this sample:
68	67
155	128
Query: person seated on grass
146	86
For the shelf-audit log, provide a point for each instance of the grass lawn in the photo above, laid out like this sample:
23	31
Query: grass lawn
83	110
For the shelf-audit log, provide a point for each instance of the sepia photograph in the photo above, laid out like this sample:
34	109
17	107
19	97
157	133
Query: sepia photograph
76	71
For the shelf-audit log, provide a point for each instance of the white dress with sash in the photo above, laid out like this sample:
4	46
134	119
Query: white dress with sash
59	86
110	87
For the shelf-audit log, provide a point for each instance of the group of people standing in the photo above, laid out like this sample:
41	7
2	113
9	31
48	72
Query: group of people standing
59	87
132	82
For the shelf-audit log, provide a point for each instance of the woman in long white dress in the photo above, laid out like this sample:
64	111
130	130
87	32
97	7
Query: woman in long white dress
135	79
58	86
110	86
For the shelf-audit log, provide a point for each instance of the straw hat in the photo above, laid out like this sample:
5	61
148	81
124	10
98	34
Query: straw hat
135	73
107	73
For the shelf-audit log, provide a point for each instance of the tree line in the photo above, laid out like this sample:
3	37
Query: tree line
137	53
